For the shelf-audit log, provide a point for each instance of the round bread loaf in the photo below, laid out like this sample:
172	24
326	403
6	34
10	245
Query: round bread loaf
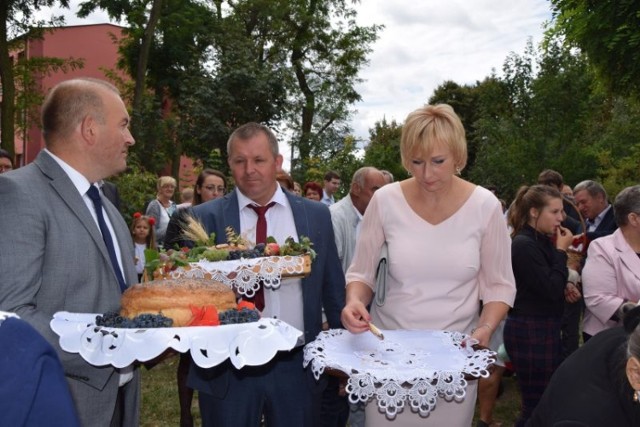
176	298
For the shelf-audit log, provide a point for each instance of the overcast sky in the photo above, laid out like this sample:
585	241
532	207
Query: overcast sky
426	42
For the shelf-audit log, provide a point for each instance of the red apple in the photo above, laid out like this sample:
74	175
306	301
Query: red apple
272	249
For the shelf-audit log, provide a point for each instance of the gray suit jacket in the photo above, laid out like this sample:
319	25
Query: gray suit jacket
53	258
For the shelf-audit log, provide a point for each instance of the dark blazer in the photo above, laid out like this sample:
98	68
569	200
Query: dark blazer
53	258
590	388
607	226
173	236
110	191
325	285
33	389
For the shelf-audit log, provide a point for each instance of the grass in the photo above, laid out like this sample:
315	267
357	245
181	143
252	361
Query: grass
160	407
508	405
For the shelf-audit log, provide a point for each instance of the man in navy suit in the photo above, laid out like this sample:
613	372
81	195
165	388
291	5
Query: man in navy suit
593	203
281	390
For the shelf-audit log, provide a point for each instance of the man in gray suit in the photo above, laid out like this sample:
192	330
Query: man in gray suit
52	253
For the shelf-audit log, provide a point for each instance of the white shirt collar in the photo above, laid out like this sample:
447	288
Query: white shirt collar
326	199
598	219
81	183
279	197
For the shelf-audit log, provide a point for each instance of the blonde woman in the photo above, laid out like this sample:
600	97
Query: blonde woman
448	248
162	207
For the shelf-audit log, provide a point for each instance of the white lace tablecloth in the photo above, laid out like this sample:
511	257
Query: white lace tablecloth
407	367
246	275
244	344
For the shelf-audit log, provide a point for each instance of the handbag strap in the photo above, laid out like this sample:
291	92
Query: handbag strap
381	276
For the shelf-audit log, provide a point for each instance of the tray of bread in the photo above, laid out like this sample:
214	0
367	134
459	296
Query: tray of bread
407	368
239	263
193	315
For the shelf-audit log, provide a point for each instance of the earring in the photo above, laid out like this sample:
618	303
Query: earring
458	170
636	396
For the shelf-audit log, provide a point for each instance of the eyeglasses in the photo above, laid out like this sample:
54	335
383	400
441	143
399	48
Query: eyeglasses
213	188
5	168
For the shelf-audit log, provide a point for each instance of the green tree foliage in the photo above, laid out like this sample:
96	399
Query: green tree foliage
619	154
609	33
537	116
464	100
165	41
383	150
344	161
325	49
17	18
548	111
136	188
288	63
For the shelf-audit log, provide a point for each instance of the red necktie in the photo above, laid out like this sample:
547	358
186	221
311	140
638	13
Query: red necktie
261	237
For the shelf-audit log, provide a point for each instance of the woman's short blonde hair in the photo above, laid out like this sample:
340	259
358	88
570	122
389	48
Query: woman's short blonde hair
429	126
164	180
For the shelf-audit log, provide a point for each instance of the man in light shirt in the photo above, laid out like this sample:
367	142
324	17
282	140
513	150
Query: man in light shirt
331	186
346	215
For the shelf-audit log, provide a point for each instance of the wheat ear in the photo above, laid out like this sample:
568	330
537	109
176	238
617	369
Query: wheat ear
193	230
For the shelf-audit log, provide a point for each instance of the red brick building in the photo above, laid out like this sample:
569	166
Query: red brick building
97	46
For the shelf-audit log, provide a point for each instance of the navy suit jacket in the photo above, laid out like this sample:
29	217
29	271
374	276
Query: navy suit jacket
33	389
325	286
607	226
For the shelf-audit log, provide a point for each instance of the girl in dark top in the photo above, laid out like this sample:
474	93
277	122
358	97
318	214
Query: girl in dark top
539	261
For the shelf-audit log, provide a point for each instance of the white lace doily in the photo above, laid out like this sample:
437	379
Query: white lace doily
245	275
407	367
249	344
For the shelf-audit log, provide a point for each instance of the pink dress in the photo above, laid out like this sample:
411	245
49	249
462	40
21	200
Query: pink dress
437	276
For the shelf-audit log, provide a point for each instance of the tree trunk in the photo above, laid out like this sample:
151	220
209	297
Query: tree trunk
143	59
7	110
309	108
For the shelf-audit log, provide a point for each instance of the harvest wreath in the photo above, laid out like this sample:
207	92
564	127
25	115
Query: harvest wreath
237	260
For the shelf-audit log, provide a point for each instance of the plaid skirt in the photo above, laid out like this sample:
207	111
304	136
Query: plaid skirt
534	346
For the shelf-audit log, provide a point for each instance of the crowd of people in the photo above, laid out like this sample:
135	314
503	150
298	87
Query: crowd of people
516	278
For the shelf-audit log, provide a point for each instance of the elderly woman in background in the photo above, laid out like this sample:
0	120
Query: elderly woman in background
313	190
598	385
162	207
448	248
611	275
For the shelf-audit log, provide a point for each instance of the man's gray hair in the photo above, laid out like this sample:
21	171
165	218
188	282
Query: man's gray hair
593	188
361	175
627	201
